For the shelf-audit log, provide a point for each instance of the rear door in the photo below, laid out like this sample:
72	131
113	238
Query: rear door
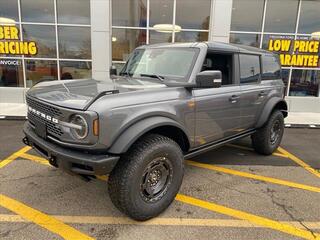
253	93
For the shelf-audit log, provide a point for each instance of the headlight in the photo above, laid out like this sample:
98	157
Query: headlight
82	131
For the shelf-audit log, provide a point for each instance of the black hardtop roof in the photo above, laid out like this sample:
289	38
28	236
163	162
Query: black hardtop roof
215	46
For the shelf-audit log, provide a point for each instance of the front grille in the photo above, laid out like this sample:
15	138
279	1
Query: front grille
52	128
52	111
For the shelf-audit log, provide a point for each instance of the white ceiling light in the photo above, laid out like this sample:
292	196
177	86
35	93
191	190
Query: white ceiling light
167	28
315	35
7	21
114	39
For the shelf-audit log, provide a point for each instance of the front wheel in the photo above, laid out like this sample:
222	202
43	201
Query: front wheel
268	138
147	178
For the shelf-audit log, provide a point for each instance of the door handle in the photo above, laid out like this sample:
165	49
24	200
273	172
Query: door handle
234	98
262	94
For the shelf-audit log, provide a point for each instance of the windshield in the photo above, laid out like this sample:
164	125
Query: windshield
173	63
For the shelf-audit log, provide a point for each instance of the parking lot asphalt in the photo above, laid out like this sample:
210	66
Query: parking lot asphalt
228	193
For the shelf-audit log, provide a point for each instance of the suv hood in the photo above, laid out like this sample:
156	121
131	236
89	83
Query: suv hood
78	94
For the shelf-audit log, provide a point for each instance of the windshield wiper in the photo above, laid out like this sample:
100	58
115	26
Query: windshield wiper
161	78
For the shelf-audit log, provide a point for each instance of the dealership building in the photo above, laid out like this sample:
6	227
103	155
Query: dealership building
76	39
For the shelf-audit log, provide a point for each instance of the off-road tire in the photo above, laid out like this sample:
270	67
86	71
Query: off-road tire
261	139
125	181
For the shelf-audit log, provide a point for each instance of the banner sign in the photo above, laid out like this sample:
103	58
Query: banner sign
296	52
10	43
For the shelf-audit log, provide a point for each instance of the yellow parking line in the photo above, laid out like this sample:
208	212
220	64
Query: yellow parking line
299	161
278	154
13	156
35	158
50	223
254	176
195	222
265	222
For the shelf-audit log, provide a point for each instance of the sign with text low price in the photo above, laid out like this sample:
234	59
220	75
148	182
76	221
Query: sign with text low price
296	52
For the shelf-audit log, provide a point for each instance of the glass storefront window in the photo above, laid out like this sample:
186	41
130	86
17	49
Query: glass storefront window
73	11
245	39
285	78
267	37
37	11
309	17
130	13
161	12
124	41
247	15
39	70
75	70
8	11
187	36
305	83
159	37
11	74
45	39
193	16
74	42
281	16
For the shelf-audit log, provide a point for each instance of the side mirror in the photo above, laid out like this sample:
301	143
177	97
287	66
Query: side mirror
209	79
113	71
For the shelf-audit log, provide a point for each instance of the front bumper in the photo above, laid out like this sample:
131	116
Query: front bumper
67	159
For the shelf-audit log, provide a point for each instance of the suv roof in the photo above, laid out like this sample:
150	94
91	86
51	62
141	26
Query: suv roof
230	47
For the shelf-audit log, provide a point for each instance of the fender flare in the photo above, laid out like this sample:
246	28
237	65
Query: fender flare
268	108
136	130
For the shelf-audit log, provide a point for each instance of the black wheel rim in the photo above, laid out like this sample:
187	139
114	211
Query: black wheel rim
156	179
275	132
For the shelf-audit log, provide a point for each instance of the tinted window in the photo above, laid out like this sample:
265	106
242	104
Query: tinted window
271	68
131	13
73	11
304	83
309	17
8	11
37	11
74	42
193	16
281	16
75	70
247	15
249	68
191	36
38	70
11	73
161	12
245	39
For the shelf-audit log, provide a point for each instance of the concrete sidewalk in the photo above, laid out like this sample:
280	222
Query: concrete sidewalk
19	110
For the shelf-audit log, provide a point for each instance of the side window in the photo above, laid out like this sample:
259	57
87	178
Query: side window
249	68
271	67
221	62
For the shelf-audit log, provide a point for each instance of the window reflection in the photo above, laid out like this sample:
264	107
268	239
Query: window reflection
281	16
245	39
124	41
187	36
285	78
9	9
159	37
267	37
45	38
247	15
309	17
38	70
304	83
131	13
161	12
11	73
37	11
74	42
73	11
75	70
193	15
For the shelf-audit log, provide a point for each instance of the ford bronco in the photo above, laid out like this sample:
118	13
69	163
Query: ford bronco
170	102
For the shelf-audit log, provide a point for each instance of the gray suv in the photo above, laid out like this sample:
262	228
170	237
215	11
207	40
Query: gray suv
168	103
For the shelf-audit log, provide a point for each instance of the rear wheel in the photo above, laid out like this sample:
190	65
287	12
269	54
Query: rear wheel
268	138
147	178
